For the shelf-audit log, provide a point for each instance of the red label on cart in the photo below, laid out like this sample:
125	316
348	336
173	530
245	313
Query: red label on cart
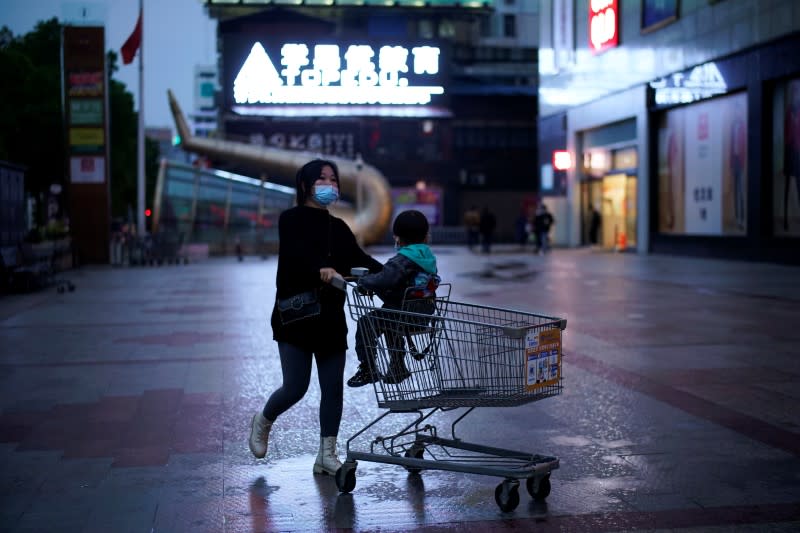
543	358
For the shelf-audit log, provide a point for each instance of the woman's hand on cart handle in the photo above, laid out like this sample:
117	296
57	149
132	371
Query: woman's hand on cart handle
329	275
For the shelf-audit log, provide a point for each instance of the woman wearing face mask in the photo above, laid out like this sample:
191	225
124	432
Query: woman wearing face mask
314	248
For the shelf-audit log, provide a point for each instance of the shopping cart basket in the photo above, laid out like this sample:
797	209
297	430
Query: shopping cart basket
461	356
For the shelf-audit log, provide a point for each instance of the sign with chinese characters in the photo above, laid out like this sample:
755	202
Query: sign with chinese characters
87	169
543	358
330	137
86	139
340	74
603	25
701	82
84	93
86	111
83	83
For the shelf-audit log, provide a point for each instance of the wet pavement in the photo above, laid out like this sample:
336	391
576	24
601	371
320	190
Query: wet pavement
125	405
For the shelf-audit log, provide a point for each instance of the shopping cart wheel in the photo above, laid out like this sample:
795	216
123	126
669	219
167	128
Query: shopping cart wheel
507	495
538	491
346	477
415	453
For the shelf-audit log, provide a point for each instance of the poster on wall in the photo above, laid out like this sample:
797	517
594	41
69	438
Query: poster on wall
734	169
702	175
703	168
786	159
427	200
670	173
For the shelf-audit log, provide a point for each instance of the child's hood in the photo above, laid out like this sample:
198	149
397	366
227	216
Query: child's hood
421	255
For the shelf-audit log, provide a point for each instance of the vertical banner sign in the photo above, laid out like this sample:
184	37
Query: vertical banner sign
84	88
543	358
563	33
603	25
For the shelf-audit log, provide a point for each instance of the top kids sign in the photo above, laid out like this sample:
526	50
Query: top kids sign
333	74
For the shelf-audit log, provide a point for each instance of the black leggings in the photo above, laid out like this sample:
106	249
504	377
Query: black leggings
296	368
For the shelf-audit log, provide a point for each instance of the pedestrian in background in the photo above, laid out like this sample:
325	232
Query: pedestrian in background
472	222
487	226
594	225
541	227
308	320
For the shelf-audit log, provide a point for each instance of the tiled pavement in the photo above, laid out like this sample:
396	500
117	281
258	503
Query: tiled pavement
124	405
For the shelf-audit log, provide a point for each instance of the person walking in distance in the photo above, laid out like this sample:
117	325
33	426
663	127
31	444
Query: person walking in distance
472	221
488	225
308	319
594	225
541	226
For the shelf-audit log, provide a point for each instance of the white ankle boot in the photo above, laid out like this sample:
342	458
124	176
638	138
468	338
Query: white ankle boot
259	435
327	462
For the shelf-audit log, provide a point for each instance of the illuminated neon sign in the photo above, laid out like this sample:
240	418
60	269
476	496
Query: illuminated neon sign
330	74
562	160
702	81
603	25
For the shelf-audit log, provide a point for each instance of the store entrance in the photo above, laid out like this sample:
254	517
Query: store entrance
614	197
619	211
610	190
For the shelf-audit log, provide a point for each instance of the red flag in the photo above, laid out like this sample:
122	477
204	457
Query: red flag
133	43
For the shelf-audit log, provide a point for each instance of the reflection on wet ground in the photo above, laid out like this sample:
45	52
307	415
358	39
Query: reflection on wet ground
125	405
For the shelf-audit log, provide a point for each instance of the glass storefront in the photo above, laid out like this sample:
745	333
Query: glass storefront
219	208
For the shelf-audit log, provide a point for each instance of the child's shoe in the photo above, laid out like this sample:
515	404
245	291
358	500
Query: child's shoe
364	376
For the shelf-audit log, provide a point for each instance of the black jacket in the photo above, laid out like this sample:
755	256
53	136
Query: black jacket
398	274
311	239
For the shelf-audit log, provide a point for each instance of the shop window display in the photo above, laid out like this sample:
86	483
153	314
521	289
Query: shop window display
786	159
702	168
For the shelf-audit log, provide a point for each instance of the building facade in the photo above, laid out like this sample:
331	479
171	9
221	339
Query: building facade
681	119
450	114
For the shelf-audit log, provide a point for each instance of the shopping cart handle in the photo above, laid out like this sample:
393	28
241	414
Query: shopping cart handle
357	272
339	283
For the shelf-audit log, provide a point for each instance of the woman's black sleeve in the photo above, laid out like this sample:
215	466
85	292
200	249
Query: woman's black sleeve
360	258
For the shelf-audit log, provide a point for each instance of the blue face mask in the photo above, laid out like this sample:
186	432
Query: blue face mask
325	194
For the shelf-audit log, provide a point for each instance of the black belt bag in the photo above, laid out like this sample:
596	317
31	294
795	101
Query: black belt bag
300	306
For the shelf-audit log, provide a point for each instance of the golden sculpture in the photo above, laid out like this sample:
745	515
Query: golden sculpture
369	221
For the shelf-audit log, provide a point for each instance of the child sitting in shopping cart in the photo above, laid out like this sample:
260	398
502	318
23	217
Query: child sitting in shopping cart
407	282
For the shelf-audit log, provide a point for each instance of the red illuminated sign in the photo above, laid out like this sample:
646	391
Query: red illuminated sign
562	160
603	24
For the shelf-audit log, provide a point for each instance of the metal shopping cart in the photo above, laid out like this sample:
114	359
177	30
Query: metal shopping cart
460	357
